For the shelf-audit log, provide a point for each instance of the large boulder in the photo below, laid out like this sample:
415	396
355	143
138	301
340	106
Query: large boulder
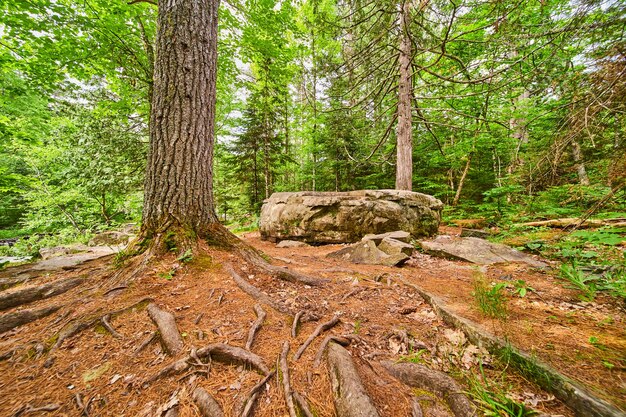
342	217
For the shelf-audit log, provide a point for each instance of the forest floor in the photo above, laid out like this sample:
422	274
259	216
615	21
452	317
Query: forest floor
69	363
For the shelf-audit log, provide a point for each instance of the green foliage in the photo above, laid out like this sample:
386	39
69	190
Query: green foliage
611	281
521	288
490	299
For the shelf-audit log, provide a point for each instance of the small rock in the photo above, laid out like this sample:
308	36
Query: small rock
110	238
393	247
483	234
366	252
291	244
400	235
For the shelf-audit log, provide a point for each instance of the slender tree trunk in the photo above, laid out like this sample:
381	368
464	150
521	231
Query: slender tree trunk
404	167
457	196
314	133
178	193
580	165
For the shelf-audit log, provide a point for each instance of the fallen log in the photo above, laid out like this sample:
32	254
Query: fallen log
575	222
321	328
29	294
218	352
256	325
440	384
168	330
350	397
206	403
18	318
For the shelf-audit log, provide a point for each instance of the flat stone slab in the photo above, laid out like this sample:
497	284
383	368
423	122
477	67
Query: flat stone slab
476	250
291	244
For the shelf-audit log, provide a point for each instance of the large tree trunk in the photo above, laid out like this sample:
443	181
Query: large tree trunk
178	196
404	167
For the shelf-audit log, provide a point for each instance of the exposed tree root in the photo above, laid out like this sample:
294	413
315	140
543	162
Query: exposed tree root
168	331
256	325
17	318
285	274
107	325
250	401
30	294
145	343
284	370
321	328
254	292
416	408
171	408
296	322
302	404
440	384
206	403
27	409
351	399
343	341
218	352
78	325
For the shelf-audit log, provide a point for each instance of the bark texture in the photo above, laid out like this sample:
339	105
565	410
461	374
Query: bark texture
404	167
178	189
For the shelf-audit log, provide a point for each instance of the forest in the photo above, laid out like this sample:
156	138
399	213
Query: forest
509	112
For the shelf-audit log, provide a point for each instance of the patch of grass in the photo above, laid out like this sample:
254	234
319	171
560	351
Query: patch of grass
493	401
528	367
490	299
413	356
578	280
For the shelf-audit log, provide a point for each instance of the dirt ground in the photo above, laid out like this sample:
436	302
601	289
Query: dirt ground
93	373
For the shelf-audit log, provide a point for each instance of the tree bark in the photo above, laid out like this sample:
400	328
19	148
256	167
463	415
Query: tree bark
178	193
404	164
580	164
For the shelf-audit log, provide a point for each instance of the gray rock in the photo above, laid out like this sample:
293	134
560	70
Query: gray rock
483	234
475	250
48	253
291	244
400	235
366	252
340	217
110	237
393	247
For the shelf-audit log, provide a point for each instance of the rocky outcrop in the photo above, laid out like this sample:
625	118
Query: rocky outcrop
341	217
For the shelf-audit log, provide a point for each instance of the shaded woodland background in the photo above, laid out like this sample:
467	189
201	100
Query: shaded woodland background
517	107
